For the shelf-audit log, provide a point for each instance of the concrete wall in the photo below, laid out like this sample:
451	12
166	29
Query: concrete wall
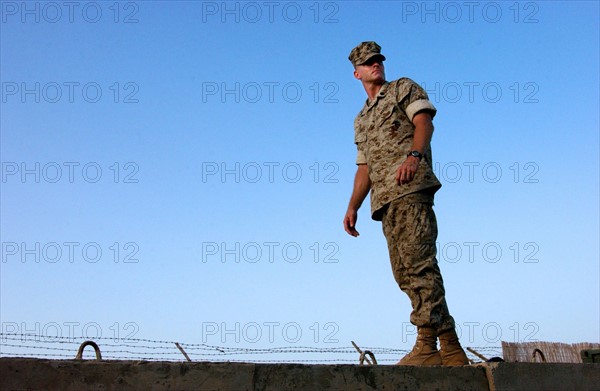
34	374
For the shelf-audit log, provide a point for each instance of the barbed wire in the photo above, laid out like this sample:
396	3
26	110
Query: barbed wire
30	345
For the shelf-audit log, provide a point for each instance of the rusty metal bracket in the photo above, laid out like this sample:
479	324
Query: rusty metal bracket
540	353
481	356
83	346
183	351
363	355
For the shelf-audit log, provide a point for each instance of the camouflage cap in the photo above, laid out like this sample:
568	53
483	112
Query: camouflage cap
363	52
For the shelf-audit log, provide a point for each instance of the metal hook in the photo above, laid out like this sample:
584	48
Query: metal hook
365	353
88	343
541	355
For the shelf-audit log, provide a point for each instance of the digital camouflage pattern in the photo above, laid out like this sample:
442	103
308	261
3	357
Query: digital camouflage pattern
365	50
383	133
410	227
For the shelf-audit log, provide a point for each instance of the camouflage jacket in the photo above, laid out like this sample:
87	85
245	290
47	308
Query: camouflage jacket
383	133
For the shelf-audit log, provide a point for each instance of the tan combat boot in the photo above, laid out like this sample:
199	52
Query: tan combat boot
450	350
425	351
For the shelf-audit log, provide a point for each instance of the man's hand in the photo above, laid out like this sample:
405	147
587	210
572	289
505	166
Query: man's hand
350	222
362	185
406	171
422	137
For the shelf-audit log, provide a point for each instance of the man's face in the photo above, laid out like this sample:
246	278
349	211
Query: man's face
371	71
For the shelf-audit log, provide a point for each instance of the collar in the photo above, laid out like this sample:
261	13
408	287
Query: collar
369	104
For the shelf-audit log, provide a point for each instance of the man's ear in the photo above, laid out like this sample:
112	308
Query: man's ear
356	75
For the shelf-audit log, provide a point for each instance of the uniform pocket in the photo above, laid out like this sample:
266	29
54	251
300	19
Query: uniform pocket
360	137
389	117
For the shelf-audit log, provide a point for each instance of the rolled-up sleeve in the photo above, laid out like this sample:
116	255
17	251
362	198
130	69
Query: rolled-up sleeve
360	157
420	105
414	99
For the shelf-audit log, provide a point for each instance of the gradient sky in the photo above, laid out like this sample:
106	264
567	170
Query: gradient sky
180	170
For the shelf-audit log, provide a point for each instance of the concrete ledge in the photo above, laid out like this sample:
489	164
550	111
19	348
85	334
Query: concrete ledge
354	377
18	374
543	377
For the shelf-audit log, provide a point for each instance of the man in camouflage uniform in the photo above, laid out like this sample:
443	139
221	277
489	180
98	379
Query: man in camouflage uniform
393	133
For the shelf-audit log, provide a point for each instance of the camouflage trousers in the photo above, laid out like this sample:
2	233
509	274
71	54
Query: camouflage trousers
410	227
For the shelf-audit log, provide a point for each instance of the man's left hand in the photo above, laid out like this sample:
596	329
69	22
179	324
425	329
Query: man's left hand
406	171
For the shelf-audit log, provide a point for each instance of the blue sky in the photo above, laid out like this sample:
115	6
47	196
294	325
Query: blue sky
180	165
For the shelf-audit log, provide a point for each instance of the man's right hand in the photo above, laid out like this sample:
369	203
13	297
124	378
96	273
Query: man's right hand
362	185
350	222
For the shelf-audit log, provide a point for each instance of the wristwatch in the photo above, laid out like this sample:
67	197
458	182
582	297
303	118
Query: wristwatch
416	154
